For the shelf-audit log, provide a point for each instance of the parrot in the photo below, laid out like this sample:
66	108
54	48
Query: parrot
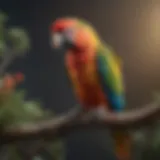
94	70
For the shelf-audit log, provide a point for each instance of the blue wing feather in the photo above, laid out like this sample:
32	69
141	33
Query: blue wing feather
115	99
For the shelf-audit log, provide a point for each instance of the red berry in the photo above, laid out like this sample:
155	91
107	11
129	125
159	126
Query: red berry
19	77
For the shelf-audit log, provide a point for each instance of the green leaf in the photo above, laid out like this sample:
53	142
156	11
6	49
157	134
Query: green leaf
33	109
19	40
17	111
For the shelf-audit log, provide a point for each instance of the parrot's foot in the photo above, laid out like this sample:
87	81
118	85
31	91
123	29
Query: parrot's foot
76	111
99	113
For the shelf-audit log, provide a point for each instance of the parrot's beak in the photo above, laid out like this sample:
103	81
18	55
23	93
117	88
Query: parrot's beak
57	40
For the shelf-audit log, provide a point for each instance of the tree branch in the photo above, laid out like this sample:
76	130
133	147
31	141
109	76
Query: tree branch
61	125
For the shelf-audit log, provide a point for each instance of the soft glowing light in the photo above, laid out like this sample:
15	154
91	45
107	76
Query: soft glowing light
154	26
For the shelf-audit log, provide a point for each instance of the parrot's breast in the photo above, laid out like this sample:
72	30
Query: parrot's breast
84	78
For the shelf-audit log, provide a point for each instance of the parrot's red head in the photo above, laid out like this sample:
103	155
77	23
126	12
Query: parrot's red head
73	33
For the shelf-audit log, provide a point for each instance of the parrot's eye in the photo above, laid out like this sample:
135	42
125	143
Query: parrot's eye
69	34
57	40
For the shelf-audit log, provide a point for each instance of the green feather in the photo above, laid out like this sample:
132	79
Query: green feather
107	57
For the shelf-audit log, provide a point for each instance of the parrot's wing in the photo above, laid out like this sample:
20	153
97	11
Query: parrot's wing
110	76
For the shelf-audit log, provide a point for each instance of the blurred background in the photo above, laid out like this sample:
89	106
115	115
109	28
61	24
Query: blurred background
131	27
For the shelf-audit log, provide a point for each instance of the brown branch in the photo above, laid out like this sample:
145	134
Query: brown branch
63	124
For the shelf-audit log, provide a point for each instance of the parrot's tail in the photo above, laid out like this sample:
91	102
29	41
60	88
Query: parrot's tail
123	145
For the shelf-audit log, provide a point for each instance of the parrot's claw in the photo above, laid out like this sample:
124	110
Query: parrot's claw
99	113
77	111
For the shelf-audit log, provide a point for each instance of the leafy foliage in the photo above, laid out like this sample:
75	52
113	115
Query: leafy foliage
18	39
146	140
17	111
14	40
14	109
